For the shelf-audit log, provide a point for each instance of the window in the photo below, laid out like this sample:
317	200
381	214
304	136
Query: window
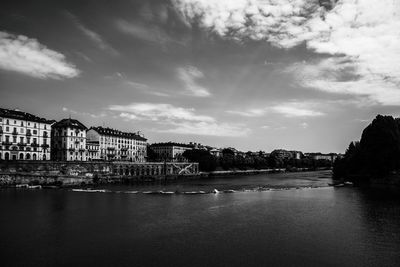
21	139
14	139
34	131
7	129
7	122
28	140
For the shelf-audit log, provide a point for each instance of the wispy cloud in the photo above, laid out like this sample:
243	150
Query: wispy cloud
287	109
365	34
209	128
22	54
148	33
178	119
295	109
92	115
256	112
189	76
121	77
92	35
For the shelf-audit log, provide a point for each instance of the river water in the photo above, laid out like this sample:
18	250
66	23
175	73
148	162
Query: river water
291	219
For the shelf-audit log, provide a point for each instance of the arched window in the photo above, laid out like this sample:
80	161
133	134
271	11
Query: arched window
28	156
34	156
44	157
6	156
21	156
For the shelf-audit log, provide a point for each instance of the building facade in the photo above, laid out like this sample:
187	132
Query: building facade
69	141
117	145
92	150
170	151
24	136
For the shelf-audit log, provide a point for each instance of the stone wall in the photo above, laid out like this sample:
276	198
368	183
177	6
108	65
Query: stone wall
63	173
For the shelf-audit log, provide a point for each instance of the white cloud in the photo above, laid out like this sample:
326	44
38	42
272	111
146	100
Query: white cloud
288	109
364	32
209	128
182	120
189	76
22	54
295	110
340	75
156	112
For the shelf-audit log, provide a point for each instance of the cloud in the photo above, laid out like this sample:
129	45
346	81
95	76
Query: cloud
182	120
304	125
256	112
209	128
157	112
189	76
92	115
92	35
295	110
22	54
288	109
365	33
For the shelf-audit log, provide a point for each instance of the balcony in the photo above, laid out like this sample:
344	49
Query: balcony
71	149
45	146
82	150
14	132
6	143
34	145
21	144
110	148
124	149
28	134
77	142
1	131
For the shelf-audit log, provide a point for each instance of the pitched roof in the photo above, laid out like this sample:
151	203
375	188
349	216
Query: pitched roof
20	115
69	123
117	133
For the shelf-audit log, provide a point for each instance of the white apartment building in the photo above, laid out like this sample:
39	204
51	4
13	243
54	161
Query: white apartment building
24	136
117	145
69	141
170	151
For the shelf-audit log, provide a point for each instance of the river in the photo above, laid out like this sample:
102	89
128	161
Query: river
284	219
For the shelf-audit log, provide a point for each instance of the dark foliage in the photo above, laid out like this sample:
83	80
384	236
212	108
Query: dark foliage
376	155
206	161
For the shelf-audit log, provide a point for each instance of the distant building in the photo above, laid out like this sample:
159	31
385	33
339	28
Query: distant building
216	152
170	151
118	145
24	136
319	156
69	140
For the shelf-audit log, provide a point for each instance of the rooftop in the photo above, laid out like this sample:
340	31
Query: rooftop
117	133
69	123
20	115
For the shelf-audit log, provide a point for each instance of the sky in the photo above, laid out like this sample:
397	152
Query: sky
304	75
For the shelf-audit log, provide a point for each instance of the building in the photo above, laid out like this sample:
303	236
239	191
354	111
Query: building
118	145
284	154
319	156
92	150
170	151
24	136
69	140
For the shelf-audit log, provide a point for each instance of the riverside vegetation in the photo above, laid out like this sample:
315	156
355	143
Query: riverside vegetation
376	157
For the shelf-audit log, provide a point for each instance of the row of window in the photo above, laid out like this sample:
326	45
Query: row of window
7	122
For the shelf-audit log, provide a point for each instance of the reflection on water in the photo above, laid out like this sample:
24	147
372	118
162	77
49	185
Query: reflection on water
297	227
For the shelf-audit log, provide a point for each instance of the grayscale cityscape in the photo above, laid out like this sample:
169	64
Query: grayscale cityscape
200	133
